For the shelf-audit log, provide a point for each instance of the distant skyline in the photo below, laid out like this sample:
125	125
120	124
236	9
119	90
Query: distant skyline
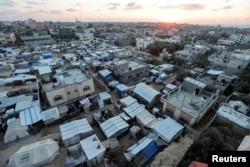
224	12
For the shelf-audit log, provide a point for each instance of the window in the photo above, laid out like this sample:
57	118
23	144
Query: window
57	98
68	93
75	90
86	88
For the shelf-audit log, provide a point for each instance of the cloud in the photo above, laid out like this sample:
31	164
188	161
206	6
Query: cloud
28	7
55	12
8	3
78	4
32	3
192	7
189	7
227	0
113	6
71	10
132	6
227	7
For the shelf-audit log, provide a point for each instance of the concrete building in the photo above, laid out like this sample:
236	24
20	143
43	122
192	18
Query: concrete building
217	80
143	42
71	84
190	52
230	114
35	25
37	39
7	38
230	63
190	102
86	38
129	71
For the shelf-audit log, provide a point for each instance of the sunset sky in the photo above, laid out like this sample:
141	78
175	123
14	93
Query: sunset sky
233	12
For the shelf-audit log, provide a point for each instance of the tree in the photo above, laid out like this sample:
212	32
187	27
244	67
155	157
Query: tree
217	138
157	47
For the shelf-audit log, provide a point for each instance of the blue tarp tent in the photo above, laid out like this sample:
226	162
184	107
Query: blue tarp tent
47	55
146	154
150	150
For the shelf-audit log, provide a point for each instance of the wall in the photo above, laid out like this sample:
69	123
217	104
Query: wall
50	96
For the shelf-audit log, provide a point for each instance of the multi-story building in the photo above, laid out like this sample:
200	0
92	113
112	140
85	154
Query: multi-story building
86	38
68	85
190	52
129	71
230	63
190	102
217	80
36	25
7	38
37	39
143	42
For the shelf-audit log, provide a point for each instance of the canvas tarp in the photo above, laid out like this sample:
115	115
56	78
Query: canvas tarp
35	154
74	131
93	149
15	131
146	92
114	126
168	129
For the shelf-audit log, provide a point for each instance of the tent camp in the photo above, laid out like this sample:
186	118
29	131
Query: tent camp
74	131
35	154
15	131
93	149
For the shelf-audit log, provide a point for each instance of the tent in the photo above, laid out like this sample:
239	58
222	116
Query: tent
93	149
50	115
144	118
146	154
134	109
168	129
147	93
114	127
133	150
15	131
35	154
74	131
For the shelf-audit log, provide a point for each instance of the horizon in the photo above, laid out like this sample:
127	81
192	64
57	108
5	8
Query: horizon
207	12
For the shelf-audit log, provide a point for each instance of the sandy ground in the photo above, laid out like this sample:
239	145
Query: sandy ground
173	154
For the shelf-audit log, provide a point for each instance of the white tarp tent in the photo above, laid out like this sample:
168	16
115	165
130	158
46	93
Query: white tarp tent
15	131
50	115
134	109
35	154
147	93
114	126
30	116
127	101
74	131
168	129
144	118
93	149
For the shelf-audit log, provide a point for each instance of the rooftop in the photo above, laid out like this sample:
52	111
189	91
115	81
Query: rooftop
67	77
189	102
234	116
